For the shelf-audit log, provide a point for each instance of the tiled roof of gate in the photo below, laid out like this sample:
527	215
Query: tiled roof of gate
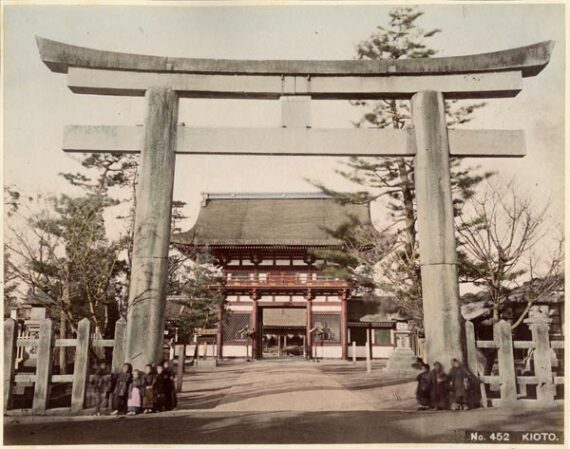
299	219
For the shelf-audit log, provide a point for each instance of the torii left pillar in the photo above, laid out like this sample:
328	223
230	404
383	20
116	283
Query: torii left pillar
147	290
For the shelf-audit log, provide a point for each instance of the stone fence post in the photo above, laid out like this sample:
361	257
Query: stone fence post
353	352
10	338
539	324
43	367
180	367
508	381
471	346
472	364
119	345
81	365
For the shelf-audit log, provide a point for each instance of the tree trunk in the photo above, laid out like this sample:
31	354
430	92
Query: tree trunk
408	199
496	316
62	334
63	327
522	315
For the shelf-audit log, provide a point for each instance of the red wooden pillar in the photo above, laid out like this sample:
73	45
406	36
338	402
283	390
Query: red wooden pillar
220	332
343	325
254	326
259	334
309	337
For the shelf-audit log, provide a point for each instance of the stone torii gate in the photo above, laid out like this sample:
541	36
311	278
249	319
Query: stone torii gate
163	81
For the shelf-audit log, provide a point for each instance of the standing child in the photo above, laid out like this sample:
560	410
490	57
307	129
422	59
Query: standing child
121	391
101	382
473	391
459	385
160	389
134	402
439	386
170	400
148	389
423	389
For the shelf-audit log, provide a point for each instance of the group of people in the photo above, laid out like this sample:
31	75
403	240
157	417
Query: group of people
133	391
456	390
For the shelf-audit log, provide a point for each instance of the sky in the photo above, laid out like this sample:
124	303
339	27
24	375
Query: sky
37	103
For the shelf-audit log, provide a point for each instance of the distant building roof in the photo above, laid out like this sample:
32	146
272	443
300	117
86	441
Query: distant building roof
477	306
36	298
373	309
550	291
476	310
174	309
276	219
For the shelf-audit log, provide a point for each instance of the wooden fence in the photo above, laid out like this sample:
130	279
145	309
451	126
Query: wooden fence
43	376
512	386
23	334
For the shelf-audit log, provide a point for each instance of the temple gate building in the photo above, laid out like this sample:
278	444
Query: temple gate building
275	292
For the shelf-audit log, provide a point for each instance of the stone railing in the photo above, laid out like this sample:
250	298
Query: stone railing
45	344
513	387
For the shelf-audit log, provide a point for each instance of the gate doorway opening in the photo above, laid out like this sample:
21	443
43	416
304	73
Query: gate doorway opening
283	332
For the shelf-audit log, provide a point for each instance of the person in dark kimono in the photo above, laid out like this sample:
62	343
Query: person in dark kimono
473	391
170	400
102	383
121	391
439	388
423	389
148	379
160	389
458	385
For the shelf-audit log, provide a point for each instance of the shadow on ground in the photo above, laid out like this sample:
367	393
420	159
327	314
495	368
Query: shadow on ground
247	404
283	427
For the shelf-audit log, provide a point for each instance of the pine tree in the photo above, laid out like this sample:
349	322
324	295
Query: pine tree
12	198
108	175
390	181
60	248
64	256
199	282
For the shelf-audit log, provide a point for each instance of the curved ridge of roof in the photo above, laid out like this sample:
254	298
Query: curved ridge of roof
206	196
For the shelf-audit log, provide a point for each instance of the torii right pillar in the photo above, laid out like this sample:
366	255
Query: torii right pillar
438	255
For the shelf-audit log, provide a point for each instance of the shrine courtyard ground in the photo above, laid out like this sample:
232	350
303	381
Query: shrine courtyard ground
283	401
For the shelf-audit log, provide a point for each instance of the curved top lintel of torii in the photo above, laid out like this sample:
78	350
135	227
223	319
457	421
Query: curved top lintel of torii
529	60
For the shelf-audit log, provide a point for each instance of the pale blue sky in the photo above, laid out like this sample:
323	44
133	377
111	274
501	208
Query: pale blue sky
38	105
